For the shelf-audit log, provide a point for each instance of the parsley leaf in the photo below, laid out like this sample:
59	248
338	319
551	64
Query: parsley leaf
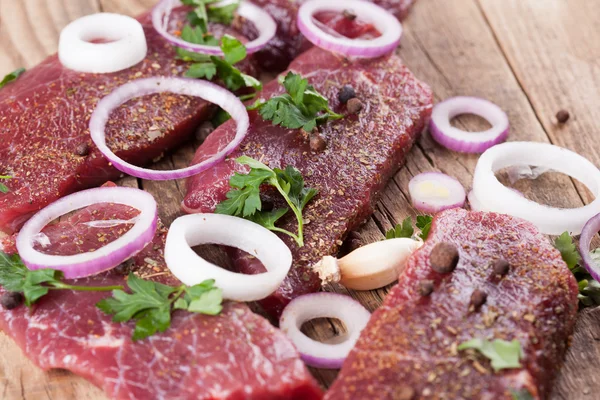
150	304
589	288
11	77
522	394
568	250
223	14
16	277
501	353
301	107
424	224
404	230
243	200
4	188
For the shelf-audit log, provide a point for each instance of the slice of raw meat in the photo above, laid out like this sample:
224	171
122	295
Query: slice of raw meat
409	349
289	42
235	355
44	139
362	152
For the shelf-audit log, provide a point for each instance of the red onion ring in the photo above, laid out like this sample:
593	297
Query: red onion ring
384	22
432	192
324	305
590	229
105	258
190	87
264	23
494	196
463	141
191	269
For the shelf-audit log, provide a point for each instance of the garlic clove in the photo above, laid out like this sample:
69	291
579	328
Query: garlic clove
328	270
376	265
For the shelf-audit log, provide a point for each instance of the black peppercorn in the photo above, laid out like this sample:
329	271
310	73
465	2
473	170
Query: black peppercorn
444	258
501	267
425	287
478	298
346	94
562	116
317	143
82	150
11	300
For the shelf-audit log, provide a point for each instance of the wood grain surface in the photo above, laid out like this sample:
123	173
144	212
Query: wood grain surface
531	57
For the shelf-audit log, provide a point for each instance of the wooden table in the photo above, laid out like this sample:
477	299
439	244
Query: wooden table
531	57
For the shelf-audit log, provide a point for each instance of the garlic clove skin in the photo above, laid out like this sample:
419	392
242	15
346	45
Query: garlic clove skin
376	265
328	270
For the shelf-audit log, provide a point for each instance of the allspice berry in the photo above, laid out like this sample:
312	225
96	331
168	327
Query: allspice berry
444	258
317	143
478	298
11	300
425	287
82	150
501	267
354	105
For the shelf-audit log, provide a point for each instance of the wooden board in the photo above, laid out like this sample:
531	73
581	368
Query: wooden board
531	57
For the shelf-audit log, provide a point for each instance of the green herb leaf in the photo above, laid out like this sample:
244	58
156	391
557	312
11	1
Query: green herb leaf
301	107
522	394
233	49
209	302
224	14
568	250
501	353
403	230
202	70
424	224
3	188
11	77
150	321
243	200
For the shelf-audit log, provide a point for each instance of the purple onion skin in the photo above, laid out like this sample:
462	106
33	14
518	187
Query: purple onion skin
588	232
319	362
461	146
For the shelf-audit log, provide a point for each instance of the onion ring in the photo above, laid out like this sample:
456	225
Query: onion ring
264	23
105	258
493	196
432	192
384	22
588	232
125	48
463	141
190	87
323	305
191	269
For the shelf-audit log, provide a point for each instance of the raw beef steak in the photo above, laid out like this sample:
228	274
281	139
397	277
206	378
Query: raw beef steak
44	137
235	355
409	349
289	42
362	152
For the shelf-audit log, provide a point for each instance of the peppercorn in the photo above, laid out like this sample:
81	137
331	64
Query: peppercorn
354	105
349	14
562	116
82	150
11	300
501	267
317	143
425	287
346	94
444	258
478	298
404	392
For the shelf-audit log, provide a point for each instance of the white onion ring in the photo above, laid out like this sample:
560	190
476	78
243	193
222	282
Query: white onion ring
463	141
493	196
264	23
443	192
588	232
105	258
191	269
190	87
126	48
323	305
389	27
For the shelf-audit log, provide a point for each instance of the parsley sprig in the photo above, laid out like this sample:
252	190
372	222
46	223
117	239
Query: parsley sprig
243	200
406	229
206	11
207	67
11	77
16	277
301	107
3	188
150	303
589	288
501	353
